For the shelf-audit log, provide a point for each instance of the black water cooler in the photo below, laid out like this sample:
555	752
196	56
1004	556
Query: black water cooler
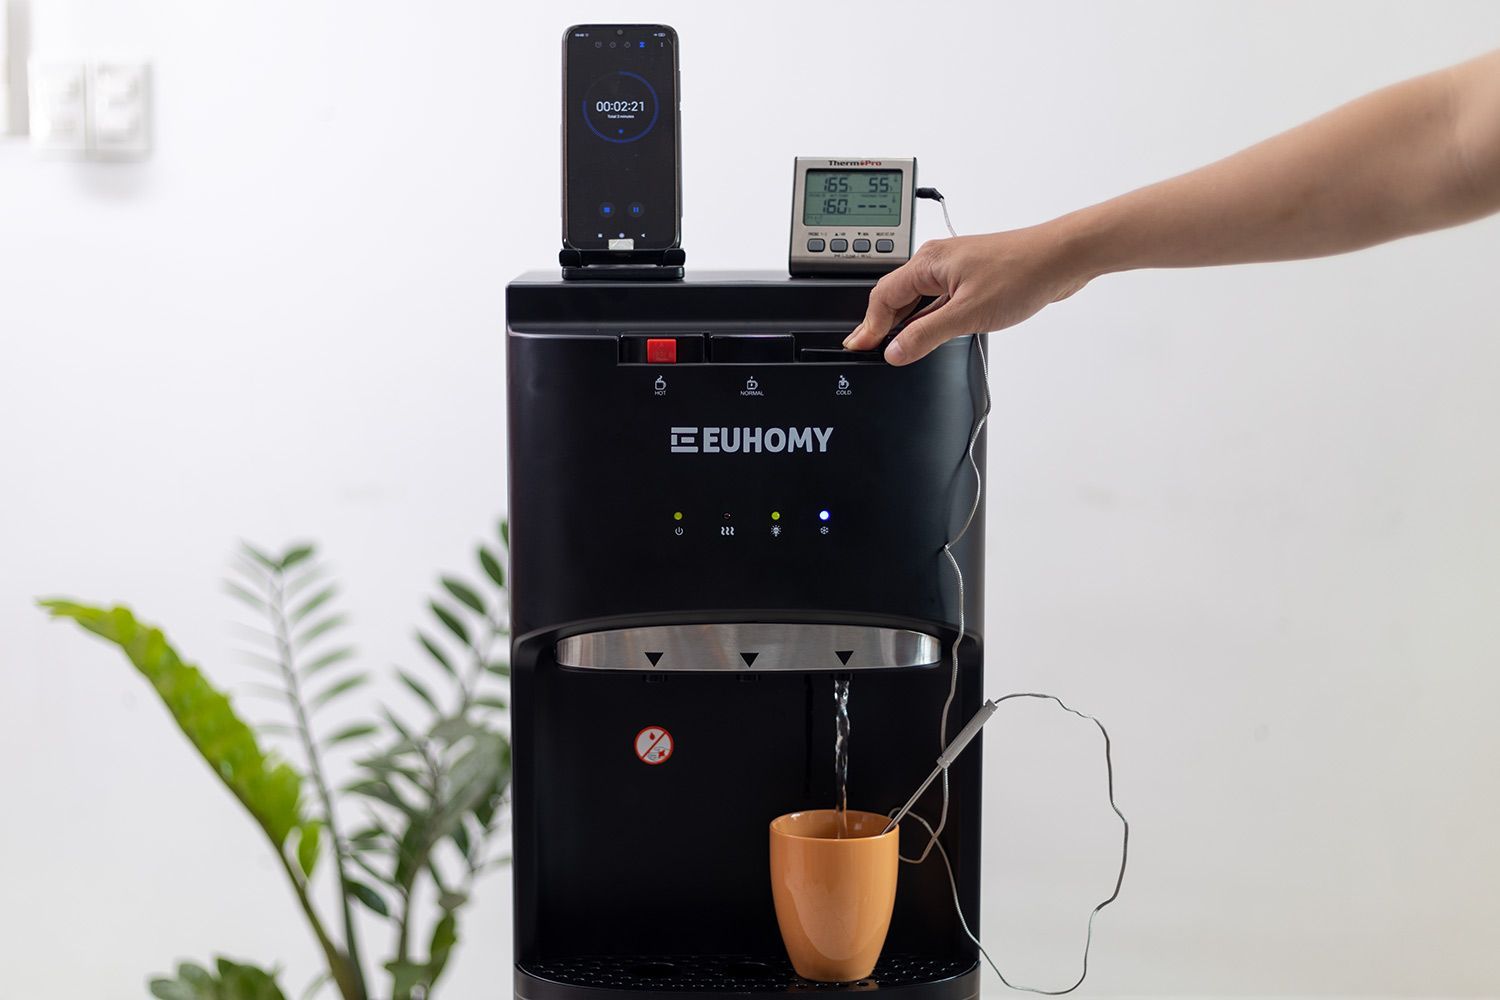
715	512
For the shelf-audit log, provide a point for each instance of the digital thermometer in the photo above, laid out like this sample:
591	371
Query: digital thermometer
851	216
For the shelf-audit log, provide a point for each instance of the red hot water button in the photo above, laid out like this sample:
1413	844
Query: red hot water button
661	351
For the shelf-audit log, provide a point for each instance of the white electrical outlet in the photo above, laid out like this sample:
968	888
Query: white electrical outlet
119	104
58	106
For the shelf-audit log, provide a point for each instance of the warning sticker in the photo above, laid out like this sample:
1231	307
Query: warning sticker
653	745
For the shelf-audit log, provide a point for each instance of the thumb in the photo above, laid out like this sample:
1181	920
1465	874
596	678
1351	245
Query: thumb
928	332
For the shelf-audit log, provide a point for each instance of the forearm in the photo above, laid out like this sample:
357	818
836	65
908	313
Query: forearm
1421	155
1417	156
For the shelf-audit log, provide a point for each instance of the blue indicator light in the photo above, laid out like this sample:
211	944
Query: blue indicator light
643	45
822	515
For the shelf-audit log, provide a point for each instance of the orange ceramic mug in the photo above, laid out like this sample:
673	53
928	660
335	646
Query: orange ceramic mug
834	895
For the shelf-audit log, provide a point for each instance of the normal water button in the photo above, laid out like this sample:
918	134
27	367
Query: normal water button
750	348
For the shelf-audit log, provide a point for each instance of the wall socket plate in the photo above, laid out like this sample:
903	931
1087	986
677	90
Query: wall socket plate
58	105
97	109
119	100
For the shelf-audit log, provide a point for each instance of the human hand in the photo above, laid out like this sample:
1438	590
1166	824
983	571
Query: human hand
981	283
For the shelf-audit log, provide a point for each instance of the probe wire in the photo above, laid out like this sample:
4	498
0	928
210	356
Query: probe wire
980	420
1088	942
935	832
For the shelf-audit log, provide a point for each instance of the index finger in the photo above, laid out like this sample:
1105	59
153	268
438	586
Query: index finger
890	300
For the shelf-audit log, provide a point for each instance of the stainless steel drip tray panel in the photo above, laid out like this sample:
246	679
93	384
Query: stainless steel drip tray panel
749	647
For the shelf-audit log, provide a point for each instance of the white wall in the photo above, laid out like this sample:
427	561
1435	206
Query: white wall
1247	516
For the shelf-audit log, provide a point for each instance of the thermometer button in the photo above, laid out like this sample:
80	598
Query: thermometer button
838	246
861	246
884	246
815	245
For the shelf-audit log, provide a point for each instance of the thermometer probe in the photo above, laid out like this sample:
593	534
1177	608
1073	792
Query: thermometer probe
946	758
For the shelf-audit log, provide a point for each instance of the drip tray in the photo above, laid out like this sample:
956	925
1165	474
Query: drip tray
732	973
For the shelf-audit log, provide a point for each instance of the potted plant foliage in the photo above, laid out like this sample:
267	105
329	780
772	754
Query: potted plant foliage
418	822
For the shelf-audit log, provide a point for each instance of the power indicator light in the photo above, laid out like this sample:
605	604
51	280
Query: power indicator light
822	515
775	515
677	515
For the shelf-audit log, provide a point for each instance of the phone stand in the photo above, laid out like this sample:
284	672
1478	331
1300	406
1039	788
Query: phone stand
622	265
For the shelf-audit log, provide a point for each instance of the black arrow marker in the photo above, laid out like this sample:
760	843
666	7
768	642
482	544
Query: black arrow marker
654	658
843	655
749	658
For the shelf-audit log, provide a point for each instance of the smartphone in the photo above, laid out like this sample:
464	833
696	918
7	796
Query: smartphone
622	155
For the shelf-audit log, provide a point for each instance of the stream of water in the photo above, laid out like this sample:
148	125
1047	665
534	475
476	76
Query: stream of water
841	752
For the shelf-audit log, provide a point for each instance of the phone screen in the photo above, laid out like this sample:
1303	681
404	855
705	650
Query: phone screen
620	143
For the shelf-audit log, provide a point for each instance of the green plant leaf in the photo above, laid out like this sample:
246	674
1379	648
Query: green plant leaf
498	669
444	937
307	846
171	989
362	857
342	687
492	701
406	977
295	555
492	567
265	691
295	585
256	555
245	982
244	594
453	729
436	652
451	620
364	860
277	729
416	687
317	629
268	788
464	594
381	791
312	604
328	659
505	533
350	732
230	981
368	836
461	839
367	896
400	727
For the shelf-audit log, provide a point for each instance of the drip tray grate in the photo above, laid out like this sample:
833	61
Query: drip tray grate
732	973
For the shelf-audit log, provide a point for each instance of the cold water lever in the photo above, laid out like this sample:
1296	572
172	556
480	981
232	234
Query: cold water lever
946	758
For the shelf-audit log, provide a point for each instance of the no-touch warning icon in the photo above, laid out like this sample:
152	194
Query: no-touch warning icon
653	745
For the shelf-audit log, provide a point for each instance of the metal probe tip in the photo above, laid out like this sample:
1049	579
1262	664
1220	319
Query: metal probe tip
945	759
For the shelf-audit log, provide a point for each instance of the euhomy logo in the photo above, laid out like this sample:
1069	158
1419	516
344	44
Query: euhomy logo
749	440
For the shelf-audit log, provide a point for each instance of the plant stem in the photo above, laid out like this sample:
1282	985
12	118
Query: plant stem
320	781
345	974
418	863
469	687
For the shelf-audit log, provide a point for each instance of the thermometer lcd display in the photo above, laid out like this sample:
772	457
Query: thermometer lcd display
857	198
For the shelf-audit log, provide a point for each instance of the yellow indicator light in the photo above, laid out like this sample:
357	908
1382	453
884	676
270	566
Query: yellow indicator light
677	515
775	515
